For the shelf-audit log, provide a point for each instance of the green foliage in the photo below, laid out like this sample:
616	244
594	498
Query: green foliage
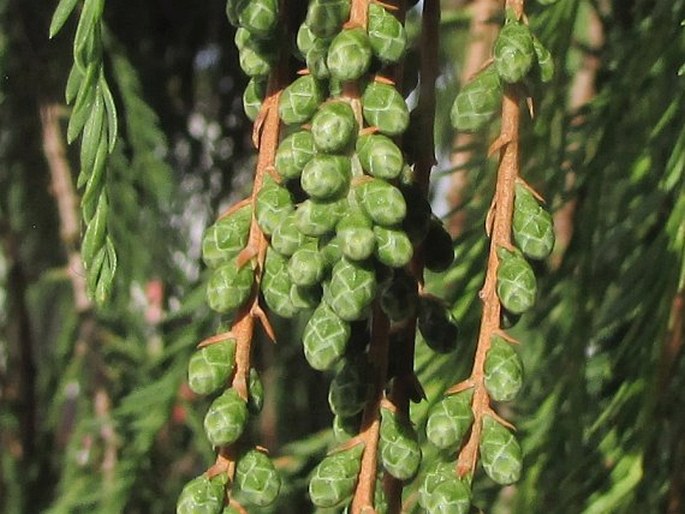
503	371
387	36
325	338
477	102
513	52
201	496
516	284
225	419
349	55
533	227
599	414
61	15
350	388
449	420
400	452
384	108
334	479
257	480
300	100
210	367
93	115
500	452
545	60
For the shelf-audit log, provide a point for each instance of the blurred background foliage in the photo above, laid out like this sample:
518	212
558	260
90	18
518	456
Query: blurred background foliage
94	413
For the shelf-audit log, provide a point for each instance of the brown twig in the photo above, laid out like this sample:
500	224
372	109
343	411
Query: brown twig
502	209
103	411
243	328
369	432
670	354
62	186
359	13
266	135
673	345
358	18
363	500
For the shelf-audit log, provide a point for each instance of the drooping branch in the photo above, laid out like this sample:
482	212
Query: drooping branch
500	222
243	328
266	137
502	209
70	221
405	384
369	432
425	160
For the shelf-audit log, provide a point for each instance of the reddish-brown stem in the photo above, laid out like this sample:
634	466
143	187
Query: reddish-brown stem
267	132
359	13
502	209
363	500
243	327
358	18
